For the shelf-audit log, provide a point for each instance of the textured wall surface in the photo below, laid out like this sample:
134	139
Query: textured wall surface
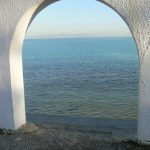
16	15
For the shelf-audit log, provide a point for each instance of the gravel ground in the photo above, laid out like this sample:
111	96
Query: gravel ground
64	137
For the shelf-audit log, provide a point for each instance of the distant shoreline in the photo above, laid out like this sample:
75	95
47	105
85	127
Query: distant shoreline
75	37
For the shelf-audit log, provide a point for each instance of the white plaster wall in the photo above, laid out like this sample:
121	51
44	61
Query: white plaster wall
15	16
9	17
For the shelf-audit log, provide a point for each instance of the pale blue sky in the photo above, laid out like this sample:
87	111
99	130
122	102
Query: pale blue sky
71	18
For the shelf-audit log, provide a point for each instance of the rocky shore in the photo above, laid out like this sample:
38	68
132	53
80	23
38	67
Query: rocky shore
67	137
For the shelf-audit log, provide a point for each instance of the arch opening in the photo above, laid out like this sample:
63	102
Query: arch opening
16	60
125	111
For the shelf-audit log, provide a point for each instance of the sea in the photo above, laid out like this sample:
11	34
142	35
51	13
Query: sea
82	77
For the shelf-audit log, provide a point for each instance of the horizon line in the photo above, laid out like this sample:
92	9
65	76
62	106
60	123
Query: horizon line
69	37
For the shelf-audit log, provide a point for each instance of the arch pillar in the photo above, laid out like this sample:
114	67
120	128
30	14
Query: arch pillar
144	101
16	15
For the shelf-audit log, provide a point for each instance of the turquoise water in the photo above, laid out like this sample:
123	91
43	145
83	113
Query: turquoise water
83	77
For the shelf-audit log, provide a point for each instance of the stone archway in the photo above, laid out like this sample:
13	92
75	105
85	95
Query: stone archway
15	17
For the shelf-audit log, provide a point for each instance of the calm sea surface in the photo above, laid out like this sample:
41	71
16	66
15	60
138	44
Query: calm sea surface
83	77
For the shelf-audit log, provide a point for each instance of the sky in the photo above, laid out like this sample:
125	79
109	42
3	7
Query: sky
77	18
